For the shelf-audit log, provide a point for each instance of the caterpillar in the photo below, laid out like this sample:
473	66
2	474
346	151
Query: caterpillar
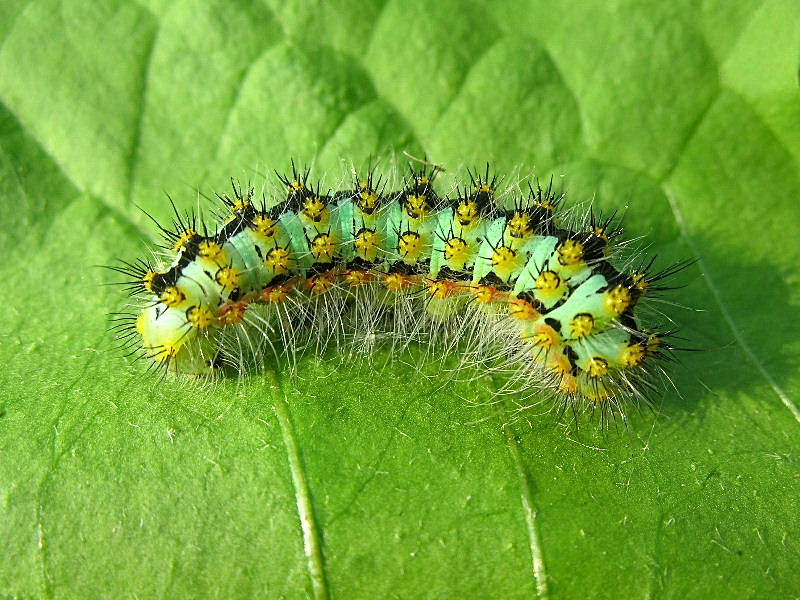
505	280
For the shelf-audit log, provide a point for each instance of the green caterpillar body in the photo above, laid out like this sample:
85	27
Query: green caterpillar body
571	309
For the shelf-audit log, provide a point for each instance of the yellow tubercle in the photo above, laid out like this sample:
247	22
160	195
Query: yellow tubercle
641	282
581	325
456	252
570	253
228	278
172	296
199	317
559	364
520	225
315	209
264	226
568	384
323	247
545	336
241	204
147	281
278	260
319	284
366	244
276	294
184	239
166	352
522	309
397	282
466	213
485	294
548	281
549	286
633	355
232	313
504	261
443	289
357	278
141	323
410	246
212	251
596	367
653	344
367	201
416	206
601	232
618	299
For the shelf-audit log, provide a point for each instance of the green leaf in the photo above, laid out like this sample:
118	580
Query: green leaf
358	482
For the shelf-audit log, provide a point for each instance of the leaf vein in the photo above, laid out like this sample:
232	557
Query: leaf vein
537	556
726	315
312	542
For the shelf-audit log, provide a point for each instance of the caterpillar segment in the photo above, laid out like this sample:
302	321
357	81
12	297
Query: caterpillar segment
573	312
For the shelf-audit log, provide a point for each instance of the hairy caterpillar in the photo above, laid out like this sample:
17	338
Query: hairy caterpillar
501	281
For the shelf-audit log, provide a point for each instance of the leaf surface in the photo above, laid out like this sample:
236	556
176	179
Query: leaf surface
113	484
